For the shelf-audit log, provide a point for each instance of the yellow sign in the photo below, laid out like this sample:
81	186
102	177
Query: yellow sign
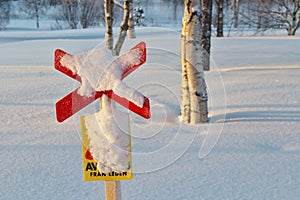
90	171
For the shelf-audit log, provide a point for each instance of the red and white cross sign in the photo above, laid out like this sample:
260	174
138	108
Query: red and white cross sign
74	102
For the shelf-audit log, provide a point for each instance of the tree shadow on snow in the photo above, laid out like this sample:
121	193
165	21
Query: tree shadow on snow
262	113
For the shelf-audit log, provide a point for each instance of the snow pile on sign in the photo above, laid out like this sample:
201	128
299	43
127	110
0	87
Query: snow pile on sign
109	145
101	71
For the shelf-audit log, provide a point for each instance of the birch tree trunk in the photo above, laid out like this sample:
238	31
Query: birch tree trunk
185	106
123	28
36	8
206	32
235	5
108	10
131	31
193	91
259	14
220	18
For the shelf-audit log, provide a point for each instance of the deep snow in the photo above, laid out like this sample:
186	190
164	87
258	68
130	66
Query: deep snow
256	146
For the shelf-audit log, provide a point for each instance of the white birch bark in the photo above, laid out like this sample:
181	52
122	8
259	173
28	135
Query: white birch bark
123	28
117	3
194	95
109	38
131	31
185	96
108	9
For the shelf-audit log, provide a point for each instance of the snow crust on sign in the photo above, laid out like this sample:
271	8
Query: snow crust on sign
101	71
109	145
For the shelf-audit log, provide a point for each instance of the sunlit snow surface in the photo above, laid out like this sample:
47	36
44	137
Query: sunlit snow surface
257	155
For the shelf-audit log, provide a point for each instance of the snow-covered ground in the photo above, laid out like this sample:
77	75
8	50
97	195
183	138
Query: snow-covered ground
251	153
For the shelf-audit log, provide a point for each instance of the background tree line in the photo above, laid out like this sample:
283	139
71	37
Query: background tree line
67	14
257	15
239	15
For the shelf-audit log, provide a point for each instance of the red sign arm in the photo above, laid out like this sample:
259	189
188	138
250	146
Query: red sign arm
73	102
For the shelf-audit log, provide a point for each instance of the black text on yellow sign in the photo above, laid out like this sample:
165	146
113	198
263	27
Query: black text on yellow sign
90	171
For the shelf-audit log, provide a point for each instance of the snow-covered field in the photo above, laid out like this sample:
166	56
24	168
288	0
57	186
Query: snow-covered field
252	152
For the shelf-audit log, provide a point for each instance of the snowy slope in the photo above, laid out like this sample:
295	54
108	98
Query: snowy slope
256	152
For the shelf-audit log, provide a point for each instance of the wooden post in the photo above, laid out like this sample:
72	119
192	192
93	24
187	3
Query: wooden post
113	190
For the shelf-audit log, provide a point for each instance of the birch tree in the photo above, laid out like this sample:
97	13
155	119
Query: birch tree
35	8
131	30
108	12
109	42
220	4
235	5
281	14
259	15
193	90
206	32
123	28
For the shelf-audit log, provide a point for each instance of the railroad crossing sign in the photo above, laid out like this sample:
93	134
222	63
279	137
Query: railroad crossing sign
74	102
